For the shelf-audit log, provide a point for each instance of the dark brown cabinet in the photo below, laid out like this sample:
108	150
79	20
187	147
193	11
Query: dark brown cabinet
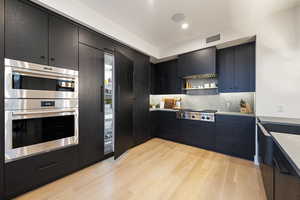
28	173
198	62
91	112
95	40
199	133
235	135
141	89
266	148
168	127
34	35
63	43
236	68
1	97
164	78
286	179
26	32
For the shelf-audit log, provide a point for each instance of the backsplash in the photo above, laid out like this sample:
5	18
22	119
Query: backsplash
225	102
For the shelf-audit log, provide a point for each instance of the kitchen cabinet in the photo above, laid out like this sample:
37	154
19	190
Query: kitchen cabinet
236	68
266	149
286	180
198	62
235	135
141	89
91	112
198	133
63	43
29	173
165	79
124	104
168	126
95	40
26	32
34	35
1	97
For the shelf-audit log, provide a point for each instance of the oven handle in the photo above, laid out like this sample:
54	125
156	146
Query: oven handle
44	112
42	74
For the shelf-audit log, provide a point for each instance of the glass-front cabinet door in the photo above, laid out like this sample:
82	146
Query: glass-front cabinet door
108	105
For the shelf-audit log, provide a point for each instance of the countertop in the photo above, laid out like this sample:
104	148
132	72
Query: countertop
290	144
281	121
218	113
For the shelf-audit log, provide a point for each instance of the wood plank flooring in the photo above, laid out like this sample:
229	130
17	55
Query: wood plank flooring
159	169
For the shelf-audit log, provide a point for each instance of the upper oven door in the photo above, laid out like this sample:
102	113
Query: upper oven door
27	80
36	131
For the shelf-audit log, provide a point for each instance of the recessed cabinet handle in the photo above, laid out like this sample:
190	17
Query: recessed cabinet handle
42	57
102	98
48	166
52	59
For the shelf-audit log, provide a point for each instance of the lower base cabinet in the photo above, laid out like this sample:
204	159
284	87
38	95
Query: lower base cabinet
235	135
286	180
168	127
232	135
198	133
29	173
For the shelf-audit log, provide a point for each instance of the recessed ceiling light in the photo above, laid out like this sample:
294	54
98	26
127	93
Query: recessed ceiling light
185	26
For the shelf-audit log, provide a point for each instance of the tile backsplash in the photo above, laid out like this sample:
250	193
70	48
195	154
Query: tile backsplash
225	102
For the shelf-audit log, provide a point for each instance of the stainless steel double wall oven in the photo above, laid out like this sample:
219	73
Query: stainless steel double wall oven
41	108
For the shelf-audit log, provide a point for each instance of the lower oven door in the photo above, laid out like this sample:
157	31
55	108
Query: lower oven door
31	132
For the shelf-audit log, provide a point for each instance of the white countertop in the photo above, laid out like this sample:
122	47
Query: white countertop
218	113
279	120
290	143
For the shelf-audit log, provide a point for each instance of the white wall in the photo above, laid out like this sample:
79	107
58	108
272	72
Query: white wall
278	64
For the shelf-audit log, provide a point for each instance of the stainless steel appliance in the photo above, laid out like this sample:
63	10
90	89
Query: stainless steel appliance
29	80
39	125
201	115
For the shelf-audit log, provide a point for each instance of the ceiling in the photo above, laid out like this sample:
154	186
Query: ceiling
151	19
147	26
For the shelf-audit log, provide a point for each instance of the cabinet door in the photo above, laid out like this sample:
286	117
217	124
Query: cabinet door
29	173
286	179
244	77
26	32
168	127
124	139
165	78
226	73
236	135
95	40
63	43
198	62
91	115
199	134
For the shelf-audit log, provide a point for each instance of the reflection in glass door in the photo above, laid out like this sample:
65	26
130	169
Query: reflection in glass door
108	105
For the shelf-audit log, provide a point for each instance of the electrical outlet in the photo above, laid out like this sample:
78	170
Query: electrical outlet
280	108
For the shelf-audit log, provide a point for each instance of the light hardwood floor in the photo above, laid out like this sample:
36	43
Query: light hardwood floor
159	169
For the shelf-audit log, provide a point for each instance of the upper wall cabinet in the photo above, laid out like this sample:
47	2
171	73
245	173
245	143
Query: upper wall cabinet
63	43
33	35
198	62
26	32
164	78
95	40
236	68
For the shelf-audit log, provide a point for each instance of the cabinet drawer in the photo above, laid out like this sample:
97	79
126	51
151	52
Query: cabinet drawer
29	173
